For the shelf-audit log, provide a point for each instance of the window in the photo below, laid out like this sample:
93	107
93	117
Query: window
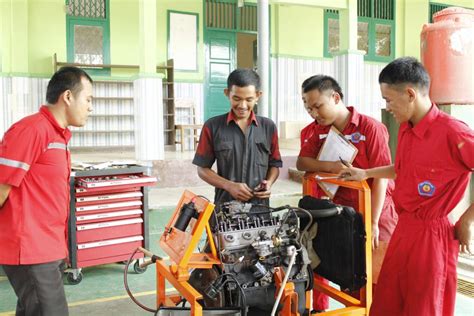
375	30
88	34
436	7
227	15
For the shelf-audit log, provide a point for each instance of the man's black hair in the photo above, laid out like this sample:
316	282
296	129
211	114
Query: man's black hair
322	83
406	70
243	77
305	82
66	78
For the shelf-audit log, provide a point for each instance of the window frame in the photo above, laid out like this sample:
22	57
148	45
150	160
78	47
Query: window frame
372	22
72	21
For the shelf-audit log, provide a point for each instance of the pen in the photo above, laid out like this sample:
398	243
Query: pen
345	163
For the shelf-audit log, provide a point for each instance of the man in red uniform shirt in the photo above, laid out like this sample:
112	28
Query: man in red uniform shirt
323	98
34	194
433	163
309	129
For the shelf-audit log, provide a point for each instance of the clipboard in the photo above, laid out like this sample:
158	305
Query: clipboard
335	145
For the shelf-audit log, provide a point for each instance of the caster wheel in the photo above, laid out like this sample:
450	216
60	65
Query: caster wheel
71	280
137	268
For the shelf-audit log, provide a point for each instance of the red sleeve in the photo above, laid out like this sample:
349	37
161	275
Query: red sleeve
311	147
275	157
377	149
463	143
20	148
204	156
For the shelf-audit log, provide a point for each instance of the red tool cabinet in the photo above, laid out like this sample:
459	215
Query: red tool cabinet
108	217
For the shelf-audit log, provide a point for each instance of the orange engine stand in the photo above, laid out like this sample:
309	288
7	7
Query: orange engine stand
180	246
353	306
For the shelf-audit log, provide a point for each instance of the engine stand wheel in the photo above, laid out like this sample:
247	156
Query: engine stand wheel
137	268
73	281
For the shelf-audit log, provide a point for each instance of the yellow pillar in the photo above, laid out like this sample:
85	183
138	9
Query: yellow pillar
348	27
147	35
14	36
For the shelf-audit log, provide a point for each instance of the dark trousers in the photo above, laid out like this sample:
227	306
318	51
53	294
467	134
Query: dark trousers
39	288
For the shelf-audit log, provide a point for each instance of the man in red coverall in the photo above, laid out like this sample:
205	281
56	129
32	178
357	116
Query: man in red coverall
433	163
322	96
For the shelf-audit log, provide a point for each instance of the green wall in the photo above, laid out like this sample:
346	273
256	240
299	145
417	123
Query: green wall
33	30
124	39
191	6
46	35
297	31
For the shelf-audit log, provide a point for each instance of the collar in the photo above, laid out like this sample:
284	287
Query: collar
355	116
252	118
420	129
49	116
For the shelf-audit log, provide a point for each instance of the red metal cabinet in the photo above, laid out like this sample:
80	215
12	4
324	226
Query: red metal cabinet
108	217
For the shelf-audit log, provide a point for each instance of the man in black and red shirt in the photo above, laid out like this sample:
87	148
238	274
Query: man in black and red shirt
34	194
244	146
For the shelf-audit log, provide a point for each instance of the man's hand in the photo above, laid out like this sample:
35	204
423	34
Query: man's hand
353	174
263	190
464	234
240	191
337	167
4	192
375	236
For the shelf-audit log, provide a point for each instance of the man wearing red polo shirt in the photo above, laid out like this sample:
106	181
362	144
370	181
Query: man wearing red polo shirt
323	100
433	163
34	194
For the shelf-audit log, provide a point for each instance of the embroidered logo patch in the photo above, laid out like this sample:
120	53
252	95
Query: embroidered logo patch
426	188
357	137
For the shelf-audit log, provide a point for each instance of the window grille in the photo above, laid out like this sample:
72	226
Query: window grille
226	15
87	8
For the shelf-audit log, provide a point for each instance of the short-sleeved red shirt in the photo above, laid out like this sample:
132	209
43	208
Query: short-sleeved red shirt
433	163
35	161
307	132
371	139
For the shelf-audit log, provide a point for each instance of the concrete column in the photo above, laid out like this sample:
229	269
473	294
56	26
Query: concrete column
148	90
349	62
349	71
348	27
263	63
149	137
147	36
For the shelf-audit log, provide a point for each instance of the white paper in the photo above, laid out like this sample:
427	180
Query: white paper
336	146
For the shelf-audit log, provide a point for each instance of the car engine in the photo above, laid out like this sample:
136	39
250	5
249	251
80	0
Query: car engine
252	241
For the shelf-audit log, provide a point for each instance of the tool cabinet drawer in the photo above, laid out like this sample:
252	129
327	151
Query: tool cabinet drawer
109	230
94	217
108	248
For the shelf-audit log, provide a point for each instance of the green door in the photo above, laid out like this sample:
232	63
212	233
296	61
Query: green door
220	61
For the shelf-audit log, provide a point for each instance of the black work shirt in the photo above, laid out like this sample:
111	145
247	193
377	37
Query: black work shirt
241	158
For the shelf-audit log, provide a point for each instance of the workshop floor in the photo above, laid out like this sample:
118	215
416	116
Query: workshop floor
102	292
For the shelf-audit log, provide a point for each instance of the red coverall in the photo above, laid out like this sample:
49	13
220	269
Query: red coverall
433	164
